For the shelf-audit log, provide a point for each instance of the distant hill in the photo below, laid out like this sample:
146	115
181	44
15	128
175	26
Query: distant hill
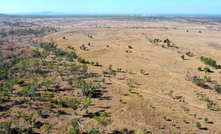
43	13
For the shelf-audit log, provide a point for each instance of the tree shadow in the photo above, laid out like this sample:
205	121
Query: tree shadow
108	83
206	87
125	94
121	78
124	131
210	122
186	59
97	94
98	65
22	106
5	108
168	120
95	74
187	122
91	115
204	128
60	112
104	107
38	125
106	98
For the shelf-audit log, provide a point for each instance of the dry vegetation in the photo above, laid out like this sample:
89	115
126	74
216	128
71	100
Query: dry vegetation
115	75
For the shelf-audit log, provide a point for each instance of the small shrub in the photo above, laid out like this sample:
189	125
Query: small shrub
194	115
96	64
103	80
130	47
164	117
199	68
199	82
170	93
217	88
14	102
190	54
64	38
30	104
119	69
142	71
110	67
92	63
207	79
130	90
39	112
50	105
114	74
119	90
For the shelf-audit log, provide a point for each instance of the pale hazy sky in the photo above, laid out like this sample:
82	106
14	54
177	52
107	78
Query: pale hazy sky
113	6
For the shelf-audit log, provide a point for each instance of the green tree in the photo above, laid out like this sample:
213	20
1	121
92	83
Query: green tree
73	131
47	128
87	103
7	126
206	119
72	103
34	63
49	67
93	131
198	125
182	56
74	122
101	119
207	69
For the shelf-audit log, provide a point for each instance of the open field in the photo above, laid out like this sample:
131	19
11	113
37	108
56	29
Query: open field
143	81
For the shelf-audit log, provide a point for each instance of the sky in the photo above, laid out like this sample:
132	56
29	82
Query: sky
113	6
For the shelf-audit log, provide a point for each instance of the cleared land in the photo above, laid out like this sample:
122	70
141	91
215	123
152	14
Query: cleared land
147	83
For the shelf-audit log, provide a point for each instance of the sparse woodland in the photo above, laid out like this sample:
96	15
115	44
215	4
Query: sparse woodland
60	85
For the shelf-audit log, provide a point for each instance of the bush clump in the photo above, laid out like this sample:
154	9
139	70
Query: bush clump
208	61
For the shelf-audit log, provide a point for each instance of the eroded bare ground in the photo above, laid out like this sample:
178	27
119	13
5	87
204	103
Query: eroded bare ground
142	83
